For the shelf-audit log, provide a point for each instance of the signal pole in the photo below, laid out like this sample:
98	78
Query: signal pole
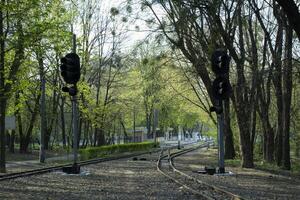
155	123
75	117
220	119
75	129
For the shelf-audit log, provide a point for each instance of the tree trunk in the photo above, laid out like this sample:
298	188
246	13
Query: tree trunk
2	95
7	137
277	82
50	124
100	137
2	122
279	131
297	150
268	132
79	131
47	140
124	128
19	121
292	11
100	133
63	123
43	127
270	145
24	145
91	137
287	96
26	137
95	136
86	134
265	139
148	124
134	118
246	149
228	135
12	141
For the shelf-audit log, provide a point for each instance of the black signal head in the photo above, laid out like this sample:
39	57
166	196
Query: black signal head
221	88
220	62
70	68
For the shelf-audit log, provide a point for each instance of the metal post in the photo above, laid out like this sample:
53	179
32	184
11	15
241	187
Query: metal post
134	124
43	119
75	167
74	42
74	110
155	123
178	137
75	128
220	117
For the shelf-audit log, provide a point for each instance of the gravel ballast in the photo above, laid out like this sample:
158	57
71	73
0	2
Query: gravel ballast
248	183
121	179
138	179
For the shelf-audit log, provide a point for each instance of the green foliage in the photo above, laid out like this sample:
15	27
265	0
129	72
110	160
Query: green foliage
155	81
296	165
233	162
94	152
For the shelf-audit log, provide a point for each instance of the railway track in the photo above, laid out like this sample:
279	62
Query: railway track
81	163
60	167
165	165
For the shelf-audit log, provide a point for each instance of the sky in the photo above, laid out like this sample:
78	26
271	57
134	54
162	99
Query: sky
133	35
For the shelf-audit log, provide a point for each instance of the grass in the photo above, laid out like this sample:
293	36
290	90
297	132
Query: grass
296	165
233	162
263	165
102	151
33	155
266	166
87	153
21	156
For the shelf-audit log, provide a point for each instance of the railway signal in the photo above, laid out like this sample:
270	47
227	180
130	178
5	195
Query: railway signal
220	62
70	68
220	66
221	90
70	71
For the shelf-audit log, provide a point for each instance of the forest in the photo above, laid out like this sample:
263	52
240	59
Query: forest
147	64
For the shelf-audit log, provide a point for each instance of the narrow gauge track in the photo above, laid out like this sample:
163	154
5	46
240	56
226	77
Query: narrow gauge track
165	165
81	163
60	167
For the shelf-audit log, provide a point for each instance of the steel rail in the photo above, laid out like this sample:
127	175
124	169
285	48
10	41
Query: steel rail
60	167
81	163
234	196
171	157
159	168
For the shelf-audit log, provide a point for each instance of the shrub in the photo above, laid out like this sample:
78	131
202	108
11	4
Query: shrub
94	152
